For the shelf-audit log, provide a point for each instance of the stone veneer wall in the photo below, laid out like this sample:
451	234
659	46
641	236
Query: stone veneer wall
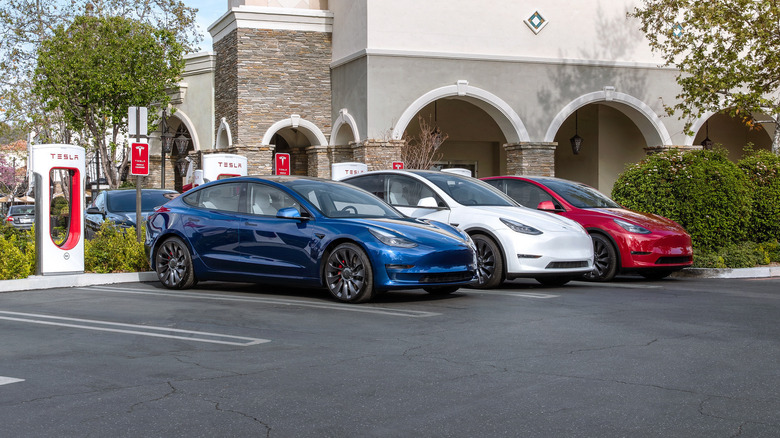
529	158
264	76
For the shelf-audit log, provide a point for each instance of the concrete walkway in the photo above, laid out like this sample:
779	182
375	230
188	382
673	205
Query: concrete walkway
73	280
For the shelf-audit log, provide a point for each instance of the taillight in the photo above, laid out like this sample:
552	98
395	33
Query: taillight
9	219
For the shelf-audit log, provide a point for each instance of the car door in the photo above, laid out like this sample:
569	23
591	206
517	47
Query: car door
212	227
415	198
276	247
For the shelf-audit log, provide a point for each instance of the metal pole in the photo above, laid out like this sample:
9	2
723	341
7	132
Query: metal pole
138	215
162	149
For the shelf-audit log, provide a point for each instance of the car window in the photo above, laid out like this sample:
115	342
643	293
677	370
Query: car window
267	200
468	191
526	193
580	195
342	200
404	191
374	184
225	197
21	209
124	200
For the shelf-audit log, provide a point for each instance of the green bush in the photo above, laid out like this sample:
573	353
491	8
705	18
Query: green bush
15	262
114	250
762	168
702	190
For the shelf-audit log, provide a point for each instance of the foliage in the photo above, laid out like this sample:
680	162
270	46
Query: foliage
422	151
763	170
725	51
701	190
18	249
96	68
739	255
114	249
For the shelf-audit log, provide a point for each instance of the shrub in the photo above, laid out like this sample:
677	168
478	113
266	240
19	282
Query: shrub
762	168
15	263
114	250
702	190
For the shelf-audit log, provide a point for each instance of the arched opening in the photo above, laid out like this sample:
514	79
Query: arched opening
224	136
610	140
733	134
474	140
177	162
293	136
344	130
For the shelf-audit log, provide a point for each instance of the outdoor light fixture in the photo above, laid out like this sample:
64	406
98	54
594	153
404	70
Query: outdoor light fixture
576	141
181	143
707	143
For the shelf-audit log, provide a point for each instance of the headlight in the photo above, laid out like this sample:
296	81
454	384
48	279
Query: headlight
631	228
520	228
390	239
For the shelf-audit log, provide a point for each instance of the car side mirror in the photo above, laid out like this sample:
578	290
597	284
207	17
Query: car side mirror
548	206
428	201
290	213
94	210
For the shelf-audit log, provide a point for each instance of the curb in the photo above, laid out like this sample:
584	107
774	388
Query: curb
759	272
73	280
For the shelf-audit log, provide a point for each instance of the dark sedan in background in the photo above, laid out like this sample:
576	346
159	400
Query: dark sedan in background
21	217
623	240
118	206
307	232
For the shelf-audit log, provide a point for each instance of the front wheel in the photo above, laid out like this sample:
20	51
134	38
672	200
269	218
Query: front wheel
348	274
605	264
173	264
490	263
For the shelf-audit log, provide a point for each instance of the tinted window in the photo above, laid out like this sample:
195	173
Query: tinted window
527	194
342	200
404	191
124	200
225	197
267	201
580	195
21	209
468	191
374	184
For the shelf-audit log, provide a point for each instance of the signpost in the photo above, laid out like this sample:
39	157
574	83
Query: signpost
282	164
136	126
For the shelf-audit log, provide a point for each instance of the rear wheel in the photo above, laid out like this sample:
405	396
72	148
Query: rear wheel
173	264
348	274
441	290
605	262
490	263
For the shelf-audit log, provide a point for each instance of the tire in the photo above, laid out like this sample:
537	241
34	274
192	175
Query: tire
441	290
490	263
173	264
553	281
605	262
348	274
655	274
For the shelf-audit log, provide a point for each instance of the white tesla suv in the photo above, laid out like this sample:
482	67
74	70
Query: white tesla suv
512	241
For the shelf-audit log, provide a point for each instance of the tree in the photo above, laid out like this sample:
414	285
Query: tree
422	151
94	69
726	54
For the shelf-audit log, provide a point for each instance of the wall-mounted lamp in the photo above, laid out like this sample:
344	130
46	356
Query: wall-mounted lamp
707	143
576	141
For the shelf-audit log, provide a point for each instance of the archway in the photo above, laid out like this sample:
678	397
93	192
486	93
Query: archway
345	129
293	136
732	133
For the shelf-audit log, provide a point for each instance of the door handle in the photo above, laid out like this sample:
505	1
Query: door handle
250	224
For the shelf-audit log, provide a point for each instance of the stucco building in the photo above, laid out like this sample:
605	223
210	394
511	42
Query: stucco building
509	83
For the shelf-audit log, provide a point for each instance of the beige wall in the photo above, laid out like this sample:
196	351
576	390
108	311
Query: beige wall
297	4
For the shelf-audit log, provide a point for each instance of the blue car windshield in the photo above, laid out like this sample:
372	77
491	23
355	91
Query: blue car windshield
580	195
468	191
338	200
124	200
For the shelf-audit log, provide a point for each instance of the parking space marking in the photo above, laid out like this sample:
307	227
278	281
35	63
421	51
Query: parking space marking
513	294
132	329
7	380
362	308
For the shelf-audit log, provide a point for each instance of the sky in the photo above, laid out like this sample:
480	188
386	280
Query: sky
208	12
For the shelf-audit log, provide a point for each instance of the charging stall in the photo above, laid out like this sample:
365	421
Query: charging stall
221	166
339	171
59	171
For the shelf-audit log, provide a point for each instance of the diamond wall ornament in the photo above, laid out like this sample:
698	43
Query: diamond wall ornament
536	22
677	30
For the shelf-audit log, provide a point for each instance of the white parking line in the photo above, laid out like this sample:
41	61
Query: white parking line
142	330
362	308
7	380
513	294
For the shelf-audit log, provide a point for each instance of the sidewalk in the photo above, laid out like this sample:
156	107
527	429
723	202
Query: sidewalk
73	280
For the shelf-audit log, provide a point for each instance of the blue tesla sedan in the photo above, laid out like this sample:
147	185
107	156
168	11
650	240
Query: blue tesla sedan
303	231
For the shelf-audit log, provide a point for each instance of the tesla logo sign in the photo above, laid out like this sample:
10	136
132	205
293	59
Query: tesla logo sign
229	165
139	159
398	165
282	164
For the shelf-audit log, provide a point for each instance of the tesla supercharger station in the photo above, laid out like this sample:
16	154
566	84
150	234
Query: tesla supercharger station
221	166
59	235
339	171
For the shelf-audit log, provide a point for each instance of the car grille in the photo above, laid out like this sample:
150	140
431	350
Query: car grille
673	260
447	277
568	265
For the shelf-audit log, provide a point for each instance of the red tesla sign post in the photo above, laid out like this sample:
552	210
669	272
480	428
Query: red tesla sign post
139	159
398	165
282	164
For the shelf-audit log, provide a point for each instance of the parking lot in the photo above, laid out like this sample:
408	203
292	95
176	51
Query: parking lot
679	357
